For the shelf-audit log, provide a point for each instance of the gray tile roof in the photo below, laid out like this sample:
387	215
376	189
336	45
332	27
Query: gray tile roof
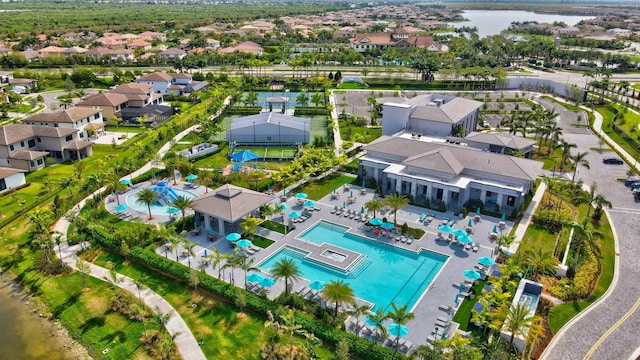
103	99
230	202
7	171
440	159
28	155
69	115
500	139
12	133
275	118
450	112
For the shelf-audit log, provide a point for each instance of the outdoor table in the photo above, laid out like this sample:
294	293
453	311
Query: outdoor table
195	231
334	196
493	235
351	200
283	198
502	224
363	191
469	229
347	187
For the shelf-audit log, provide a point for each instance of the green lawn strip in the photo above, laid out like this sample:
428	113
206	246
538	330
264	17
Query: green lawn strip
192	138
11	203
317	189
607	116
21	108
273	226
261	241
537	236
225	336
124	129
215	161
463	315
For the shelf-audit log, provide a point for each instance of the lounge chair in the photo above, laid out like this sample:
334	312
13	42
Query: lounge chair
410	240
316	208
335	209
445	307
475	247
353	214
423	216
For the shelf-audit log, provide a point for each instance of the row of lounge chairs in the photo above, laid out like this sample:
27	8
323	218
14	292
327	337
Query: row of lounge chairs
351	214
404	346
306	214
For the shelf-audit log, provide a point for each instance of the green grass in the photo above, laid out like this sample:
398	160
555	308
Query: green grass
271	152
358	133
463	315
261	241
317	189
123	129
352	86
21	108
607	114
273	226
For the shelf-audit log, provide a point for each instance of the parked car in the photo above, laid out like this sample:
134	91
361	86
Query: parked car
635	186
612	160
631	182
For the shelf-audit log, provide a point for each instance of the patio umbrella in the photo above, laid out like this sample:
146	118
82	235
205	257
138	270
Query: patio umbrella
244	243
460	233
283	207
495	229
121	207
284	192
309	203
387	226
125	182
376	221
245	155
472	274
504	217
351	194
478	210
267	282
456	300
294	215
317	285
445	228
465	239
469	224
172	210
301	196
344	204
191	177
334	189
205	252
254	278
233	236
363	183
362	210
398	330
486	261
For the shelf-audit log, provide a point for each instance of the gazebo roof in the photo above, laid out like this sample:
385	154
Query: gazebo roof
230	202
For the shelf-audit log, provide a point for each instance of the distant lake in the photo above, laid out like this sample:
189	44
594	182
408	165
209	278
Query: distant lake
492	22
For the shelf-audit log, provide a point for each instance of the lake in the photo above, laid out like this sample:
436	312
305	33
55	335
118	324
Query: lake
492	22
24	334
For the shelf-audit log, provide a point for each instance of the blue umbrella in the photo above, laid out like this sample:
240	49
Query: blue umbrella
504	217
205	252
469	224
121	207
362	182
398	330
283	207
294	215
244	243
372	323
284	192
351	194
478	210
334	189
268	186
125	182
310	203
387	225
486	261
192	177
267	282
465	239
456	300
375	221
317	285
362	210
255	278
172	210
301	196
445	228
344	204
244	155
460	233
495	229
233	236
472	274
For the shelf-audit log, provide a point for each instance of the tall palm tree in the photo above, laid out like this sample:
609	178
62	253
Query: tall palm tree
356	311
288	269
378	318
339	292
518	320
566	147
396	202
400	316
590	198
115	186
216	260
579	159
146	196
584	235
188	246
317	98
542	262
182	203
249	225
373	205
206	179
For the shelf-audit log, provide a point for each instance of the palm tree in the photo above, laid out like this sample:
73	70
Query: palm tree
396	202
373	205
115	186
216	260
542	262
505	240
182	203
579	159
206	179
84	269
303	99
255	176
518	320
339	292
139	285
147	197
566	147
583	235
400	316
249	225
592	197
288	269
317	98
378	318
356	311
188	246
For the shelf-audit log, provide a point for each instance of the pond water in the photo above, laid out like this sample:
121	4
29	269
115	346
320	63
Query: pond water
492	22
24	334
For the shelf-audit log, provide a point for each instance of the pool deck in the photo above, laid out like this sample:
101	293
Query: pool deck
441	292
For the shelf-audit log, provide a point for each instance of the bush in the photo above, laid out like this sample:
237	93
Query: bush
464	212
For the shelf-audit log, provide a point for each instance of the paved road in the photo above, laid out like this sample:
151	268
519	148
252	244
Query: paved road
581	338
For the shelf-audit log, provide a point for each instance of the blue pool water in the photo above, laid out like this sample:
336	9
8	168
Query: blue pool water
291	96
531	300
384	275
157	208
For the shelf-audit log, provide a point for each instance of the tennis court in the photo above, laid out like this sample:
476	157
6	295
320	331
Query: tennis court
270	152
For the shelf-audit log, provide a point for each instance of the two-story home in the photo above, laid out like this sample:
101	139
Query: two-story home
172	83
172	54
142	101
111	104
400	39
88	121
11	178
25	147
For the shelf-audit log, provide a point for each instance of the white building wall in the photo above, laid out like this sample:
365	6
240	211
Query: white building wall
395	118
13	181
429	127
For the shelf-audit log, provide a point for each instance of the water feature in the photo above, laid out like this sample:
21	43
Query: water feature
160	206
25	335
492	22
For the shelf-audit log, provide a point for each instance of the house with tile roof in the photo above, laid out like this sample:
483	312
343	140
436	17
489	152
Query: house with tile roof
400	39
439	172
172	54
111	104
11	178
84	119
172	83
26	147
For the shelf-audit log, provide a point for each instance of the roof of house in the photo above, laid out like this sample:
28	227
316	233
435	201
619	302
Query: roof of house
133	88
5	172
500	139
453	159
173	51
69	115
104	99
156	76
450	112
21	81
13	133
52	50
79	145
230	202
275	118
28	155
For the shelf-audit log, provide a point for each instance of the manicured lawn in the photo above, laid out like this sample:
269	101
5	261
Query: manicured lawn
21	108
273	226
628	145
10	204
316	190
271	152
463	315
358	133
260	241
537	236
123	129
220	160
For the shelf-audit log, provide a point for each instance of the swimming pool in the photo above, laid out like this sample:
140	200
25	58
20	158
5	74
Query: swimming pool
384	275
157	207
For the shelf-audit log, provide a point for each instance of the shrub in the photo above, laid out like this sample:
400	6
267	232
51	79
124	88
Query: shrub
464	212
442	207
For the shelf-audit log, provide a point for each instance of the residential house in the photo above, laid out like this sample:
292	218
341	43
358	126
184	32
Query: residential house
25	147
112	54
172	83
84	119
401	39
139	44
153	36
142	101
11	178
111	104
172	54
245	46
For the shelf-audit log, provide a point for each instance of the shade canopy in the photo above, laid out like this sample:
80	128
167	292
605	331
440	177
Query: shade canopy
445	228
294	215
301	195
255	278
472	274
387	225
459	233
267	282
486	261
121	207
495	229
245	155
376	221
125	181
504	217
465	239
309	203
398	330
478	210
233	236
244	243
191	177
172	210
317	285
283	207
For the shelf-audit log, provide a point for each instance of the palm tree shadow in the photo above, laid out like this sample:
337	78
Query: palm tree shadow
93	322
119	335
